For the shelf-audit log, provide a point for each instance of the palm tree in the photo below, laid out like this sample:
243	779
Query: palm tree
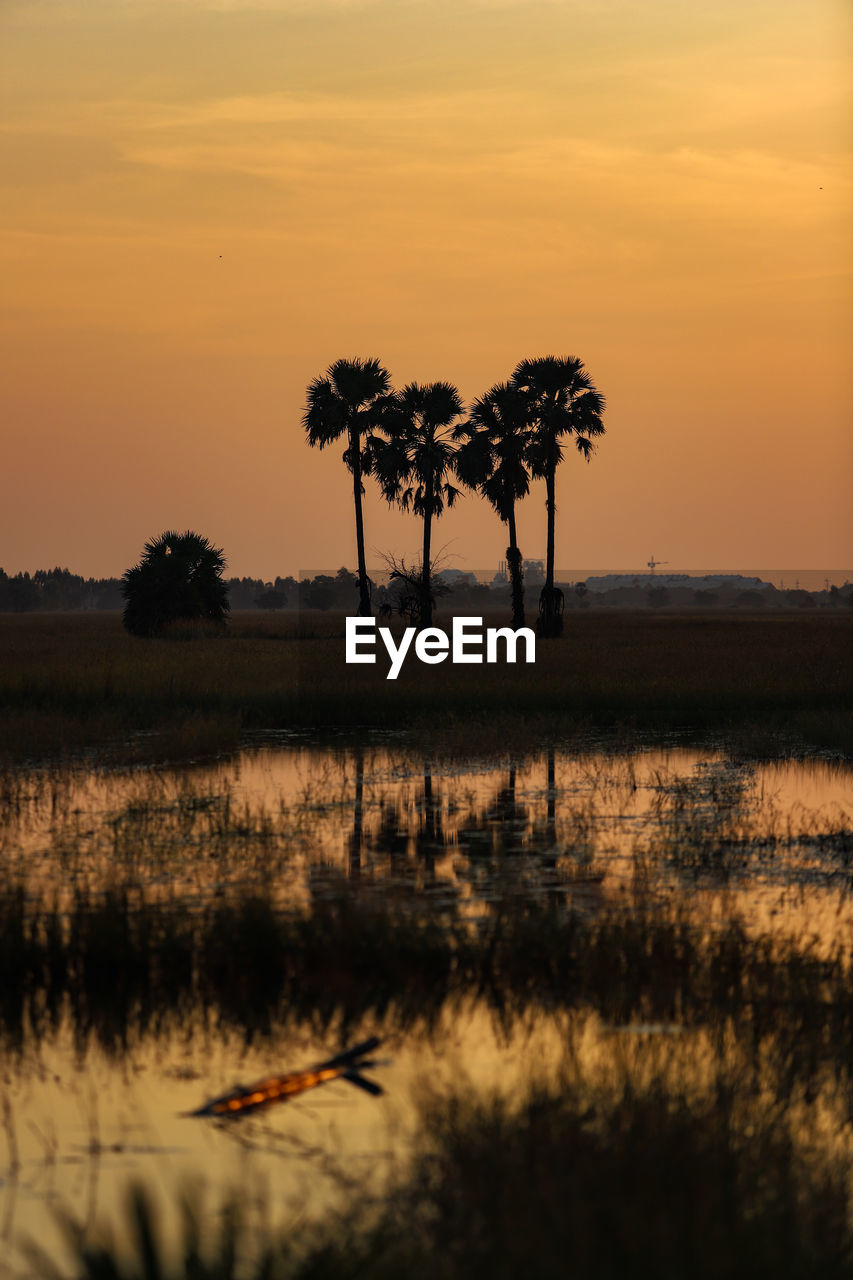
493	459
414	462
349	401
564	402
178	579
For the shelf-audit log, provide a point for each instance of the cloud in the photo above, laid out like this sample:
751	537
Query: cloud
24	11
294	107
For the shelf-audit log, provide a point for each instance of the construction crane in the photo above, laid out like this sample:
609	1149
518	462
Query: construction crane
654	563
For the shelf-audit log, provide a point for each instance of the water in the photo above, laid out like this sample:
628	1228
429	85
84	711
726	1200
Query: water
452	832
590	833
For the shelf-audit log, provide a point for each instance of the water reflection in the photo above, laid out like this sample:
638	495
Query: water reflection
356	840
654	823
83	1130
168	931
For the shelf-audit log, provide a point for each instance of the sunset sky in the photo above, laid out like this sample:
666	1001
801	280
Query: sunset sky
206	202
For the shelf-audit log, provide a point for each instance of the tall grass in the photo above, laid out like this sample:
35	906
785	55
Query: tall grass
570	1178
120	966
71	682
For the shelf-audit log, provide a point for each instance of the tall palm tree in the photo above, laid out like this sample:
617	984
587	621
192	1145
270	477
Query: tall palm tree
350	401
493	459
415	460
564	402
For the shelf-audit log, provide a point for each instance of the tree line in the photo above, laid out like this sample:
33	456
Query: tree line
417	441
55	589
58	590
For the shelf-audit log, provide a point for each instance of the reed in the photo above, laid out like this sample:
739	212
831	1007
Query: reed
567	1178
119	966
76	682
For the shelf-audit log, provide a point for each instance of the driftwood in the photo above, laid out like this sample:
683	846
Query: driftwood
344	1066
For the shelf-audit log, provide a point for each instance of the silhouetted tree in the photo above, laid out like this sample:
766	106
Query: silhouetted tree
414	462
564	402
179	578
243	593
271	599
23	593
317	592
493	459
749	599
350	401
405	588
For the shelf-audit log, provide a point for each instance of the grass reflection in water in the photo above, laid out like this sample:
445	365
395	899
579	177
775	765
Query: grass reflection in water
682	927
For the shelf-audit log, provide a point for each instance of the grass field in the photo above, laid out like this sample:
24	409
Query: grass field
73	683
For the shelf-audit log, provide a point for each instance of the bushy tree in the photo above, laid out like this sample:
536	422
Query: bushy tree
271	599
178	579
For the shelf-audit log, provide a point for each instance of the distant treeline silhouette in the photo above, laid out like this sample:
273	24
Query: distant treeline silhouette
50	590
59	589
462	594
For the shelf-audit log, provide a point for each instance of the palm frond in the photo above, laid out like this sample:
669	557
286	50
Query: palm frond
358	382
473	459
350	399
324	418
420	446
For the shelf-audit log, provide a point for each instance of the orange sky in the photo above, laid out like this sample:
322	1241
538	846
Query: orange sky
661	188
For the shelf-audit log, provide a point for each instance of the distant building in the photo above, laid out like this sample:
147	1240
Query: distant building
457	578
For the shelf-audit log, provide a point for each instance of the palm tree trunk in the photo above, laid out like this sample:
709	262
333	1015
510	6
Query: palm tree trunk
551	506
513	559
364	608
426	601
550	622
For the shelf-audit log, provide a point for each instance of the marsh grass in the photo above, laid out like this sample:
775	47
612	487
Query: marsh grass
710	821
76	682
568	1176
119	966
382	819
574	1180
709	1136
